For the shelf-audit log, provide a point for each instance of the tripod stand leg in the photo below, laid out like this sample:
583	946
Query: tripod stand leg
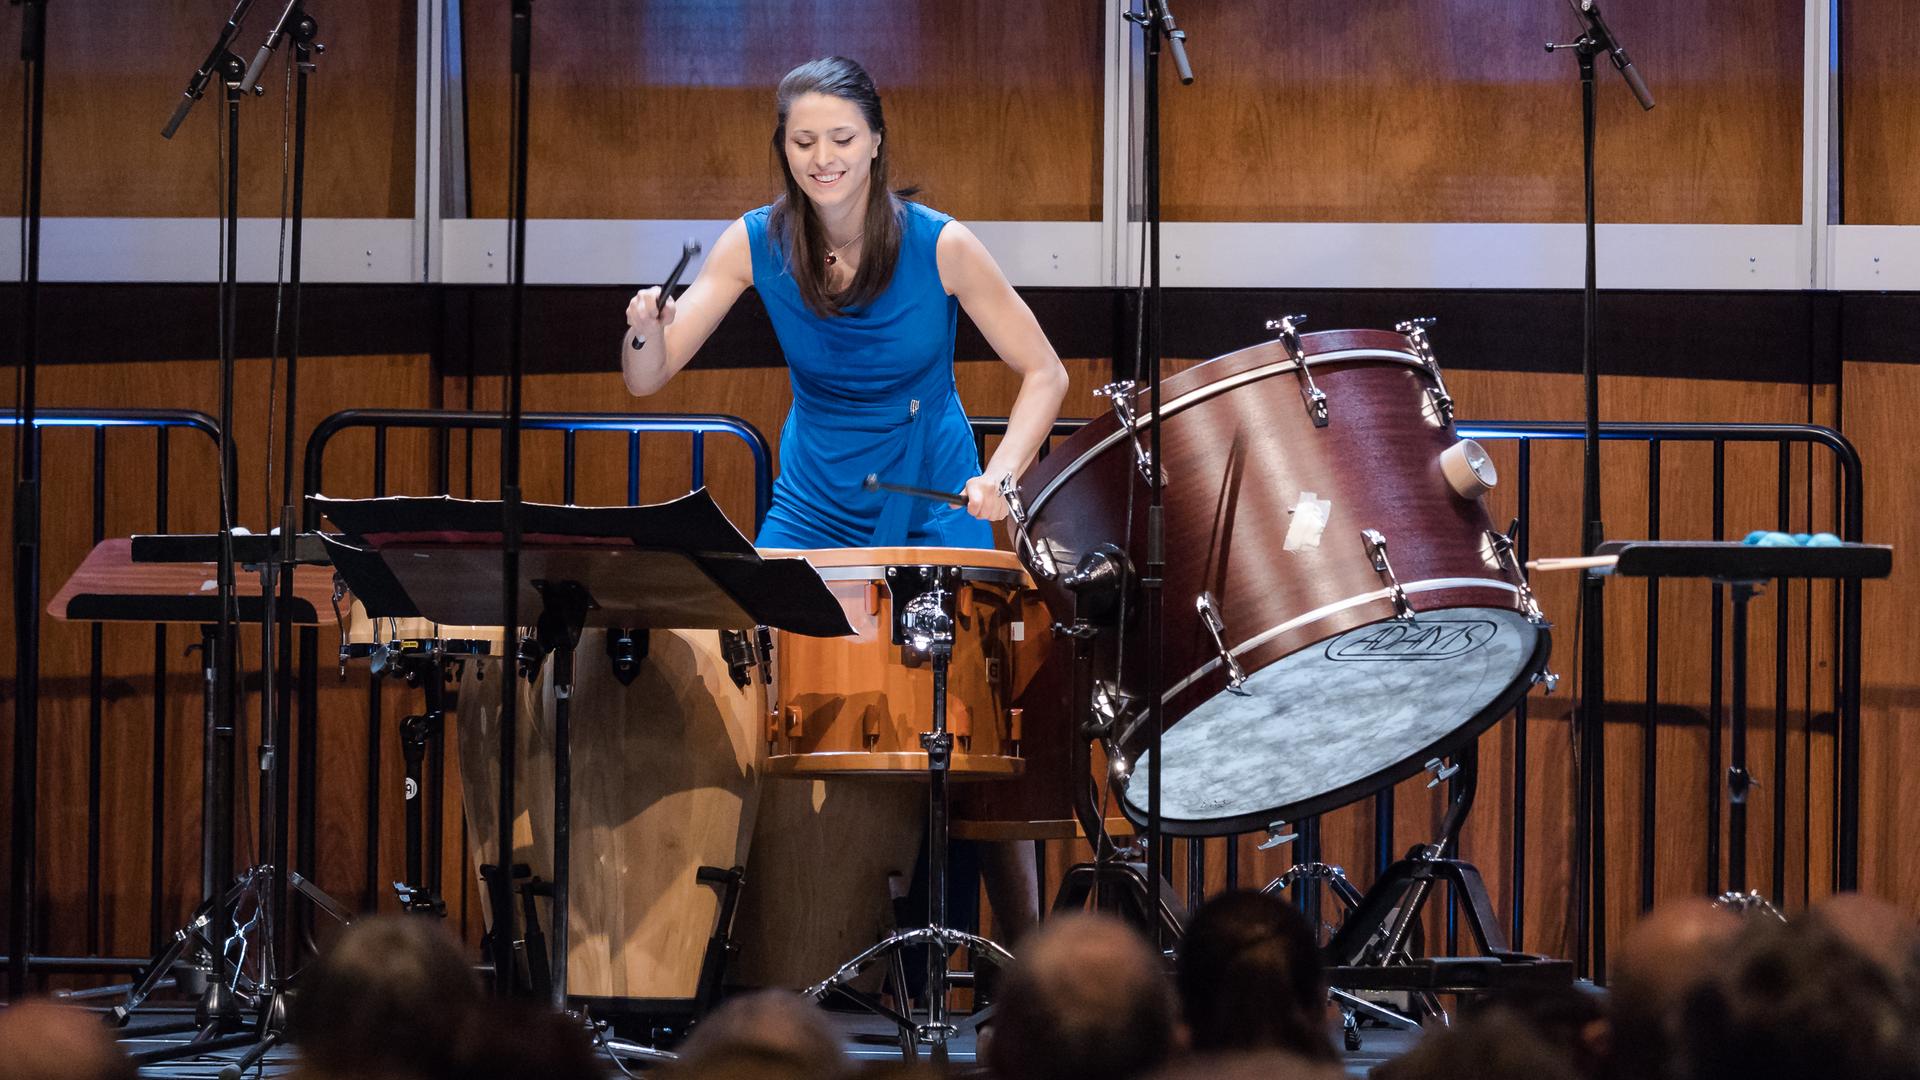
903	1001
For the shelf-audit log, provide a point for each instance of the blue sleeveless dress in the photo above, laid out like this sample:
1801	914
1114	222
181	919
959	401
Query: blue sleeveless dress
873	392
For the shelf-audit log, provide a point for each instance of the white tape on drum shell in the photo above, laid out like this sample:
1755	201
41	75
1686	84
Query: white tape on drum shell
1310	516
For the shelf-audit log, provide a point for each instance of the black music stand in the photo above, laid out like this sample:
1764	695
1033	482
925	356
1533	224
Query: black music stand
678	565
1745	568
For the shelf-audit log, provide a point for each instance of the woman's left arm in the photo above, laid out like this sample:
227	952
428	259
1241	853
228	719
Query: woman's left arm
972	277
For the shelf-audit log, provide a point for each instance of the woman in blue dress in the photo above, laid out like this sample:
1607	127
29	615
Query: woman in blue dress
863	288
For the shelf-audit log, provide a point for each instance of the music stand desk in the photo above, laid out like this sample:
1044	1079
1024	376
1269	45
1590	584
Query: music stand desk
111	586
1745	568
671	566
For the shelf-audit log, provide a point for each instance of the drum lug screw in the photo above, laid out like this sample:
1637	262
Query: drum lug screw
1288	327
1504	553
1277	834
1549	680
1037	557
1416	331
1440	770
1209	614
1120	396
1377	551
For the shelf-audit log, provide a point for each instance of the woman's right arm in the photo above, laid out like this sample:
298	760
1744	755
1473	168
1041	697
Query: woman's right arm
672	336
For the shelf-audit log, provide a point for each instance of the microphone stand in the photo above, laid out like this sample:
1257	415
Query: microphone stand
26	525
277	576
1590	868
502	882
278	711
218	1011
1155	18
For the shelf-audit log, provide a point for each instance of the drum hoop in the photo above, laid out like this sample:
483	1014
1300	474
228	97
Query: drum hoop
991	575
1335	608
1202	393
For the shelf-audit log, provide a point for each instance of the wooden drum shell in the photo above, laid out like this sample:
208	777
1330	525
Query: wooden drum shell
857	705
1239	448
666	776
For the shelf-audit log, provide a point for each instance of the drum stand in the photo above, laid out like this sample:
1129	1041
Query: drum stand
923	603
1373	949
1113	881
421	737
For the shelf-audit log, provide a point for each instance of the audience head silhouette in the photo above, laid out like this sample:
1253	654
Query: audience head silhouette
1087	999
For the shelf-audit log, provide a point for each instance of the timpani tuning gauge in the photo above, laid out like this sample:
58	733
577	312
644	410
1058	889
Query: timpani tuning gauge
1468	469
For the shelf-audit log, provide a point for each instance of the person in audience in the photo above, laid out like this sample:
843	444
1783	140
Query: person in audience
391	997
1251	978
1882	931
526	1040
40	1041
772	1032
1798	1001
1087	999
1497	1043
1659	963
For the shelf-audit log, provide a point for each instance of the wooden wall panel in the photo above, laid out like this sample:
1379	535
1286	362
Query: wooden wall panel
1877	415
1449	110
1878	99
760	395
115	71
664	110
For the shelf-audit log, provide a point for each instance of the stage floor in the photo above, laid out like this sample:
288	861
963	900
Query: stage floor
868	1040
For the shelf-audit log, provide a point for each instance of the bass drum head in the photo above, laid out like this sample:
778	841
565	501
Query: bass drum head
1338	720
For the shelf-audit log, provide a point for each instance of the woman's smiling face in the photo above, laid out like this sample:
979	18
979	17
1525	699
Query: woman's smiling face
830	150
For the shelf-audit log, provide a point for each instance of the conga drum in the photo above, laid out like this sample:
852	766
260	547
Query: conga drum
1338	606
665	781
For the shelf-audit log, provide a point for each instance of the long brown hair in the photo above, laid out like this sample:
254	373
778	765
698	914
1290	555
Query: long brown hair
795	222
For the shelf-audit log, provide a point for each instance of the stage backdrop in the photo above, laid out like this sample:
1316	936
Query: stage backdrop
1415	110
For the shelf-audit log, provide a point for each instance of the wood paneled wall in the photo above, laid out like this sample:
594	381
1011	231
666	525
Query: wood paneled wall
115	72
662	110
1450	110
1878	98
1877	408
760	395
1415	110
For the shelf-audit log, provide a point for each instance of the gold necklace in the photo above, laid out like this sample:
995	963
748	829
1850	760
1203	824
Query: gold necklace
833	254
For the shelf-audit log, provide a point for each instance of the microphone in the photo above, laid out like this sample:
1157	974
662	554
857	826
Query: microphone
1604	38
273	41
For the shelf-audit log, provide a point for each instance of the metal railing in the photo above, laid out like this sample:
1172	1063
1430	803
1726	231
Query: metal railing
1846	514
101	423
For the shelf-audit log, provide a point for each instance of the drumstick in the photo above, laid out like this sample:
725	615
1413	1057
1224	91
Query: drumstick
1578	562
687	251
874	483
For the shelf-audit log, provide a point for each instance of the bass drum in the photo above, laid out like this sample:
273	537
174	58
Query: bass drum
1338	606
666	777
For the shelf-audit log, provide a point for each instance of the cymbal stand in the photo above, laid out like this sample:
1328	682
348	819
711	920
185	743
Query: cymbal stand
923	605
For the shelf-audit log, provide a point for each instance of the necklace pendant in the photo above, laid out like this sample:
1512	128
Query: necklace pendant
832	258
